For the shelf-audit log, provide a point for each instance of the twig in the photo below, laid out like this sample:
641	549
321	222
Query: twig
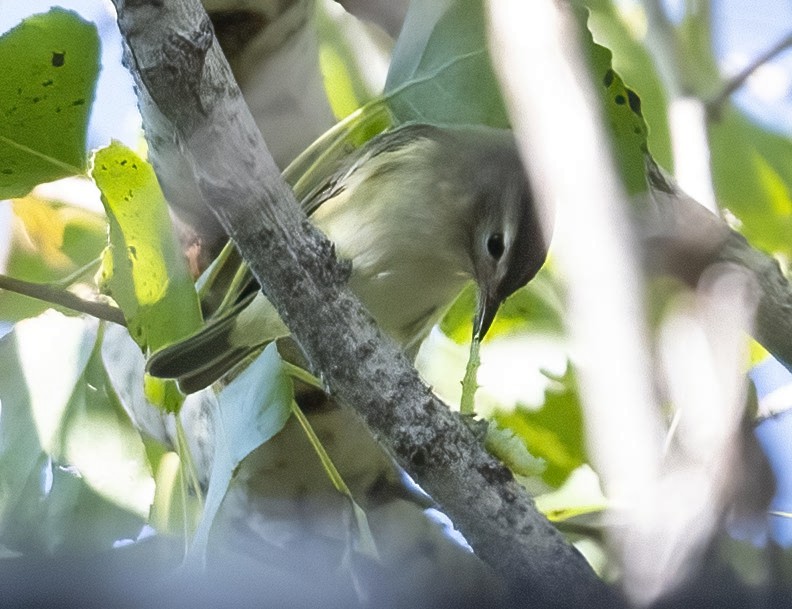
63	298
715	105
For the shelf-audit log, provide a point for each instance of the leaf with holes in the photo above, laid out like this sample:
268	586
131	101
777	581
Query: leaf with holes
143	268
48	70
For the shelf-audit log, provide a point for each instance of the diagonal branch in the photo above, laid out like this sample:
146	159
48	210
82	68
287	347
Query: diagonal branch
194	113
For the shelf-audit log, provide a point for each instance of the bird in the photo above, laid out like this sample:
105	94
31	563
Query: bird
419	211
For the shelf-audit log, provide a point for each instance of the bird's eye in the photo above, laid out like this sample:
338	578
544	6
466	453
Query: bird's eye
495	245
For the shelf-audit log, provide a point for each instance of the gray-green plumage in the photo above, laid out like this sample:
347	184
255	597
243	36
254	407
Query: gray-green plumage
419	211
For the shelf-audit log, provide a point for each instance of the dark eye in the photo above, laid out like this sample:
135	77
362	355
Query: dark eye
495	245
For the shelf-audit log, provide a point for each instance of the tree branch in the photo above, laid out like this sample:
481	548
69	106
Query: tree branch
194	113
64	298
715	105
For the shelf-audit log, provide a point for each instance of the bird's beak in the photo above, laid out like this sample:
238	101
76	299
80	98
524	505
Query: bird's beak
488	304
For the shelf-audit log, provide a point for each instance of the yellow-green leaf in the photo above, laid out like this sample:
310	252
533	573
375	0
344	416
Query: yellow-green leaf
143	269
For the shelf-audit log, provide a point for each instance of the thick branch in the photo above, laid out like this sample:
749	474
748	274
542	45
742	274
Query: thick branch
191	107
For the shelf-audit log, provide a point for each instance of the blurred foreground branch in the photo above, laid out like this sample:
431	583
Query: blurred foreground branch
669	491
682	238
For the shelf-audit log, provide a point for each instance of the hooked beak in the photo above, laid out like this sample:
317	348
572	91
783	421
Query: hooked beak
488	304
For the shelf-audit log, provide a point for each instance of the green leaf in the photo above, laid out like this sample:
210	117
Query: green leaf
252	408
553	433
99	440
345	85
48	70
73	474
441	70
636	66
753	179
143	268
623	114
536	308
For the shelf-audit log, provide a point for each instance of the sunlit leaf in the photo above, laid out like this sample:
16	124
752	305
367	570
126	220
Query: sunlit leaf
143	268
48	69
98	439
441	70
753	179
554	432
344	80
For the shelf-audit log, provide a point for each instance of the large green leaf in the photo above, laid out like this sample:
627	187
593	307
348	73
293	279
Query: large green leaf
752	174
143	268
554	432
48	70
73	474
441	70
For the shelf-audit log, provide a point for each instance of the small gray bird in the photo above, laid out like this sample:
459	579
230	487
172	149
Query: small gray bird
419	212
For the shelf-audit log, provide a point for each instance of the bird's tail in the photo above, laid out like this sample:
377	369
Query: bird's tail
204	357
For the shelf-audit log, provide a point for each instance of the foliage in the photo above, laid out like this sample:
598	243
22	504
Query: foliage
50	64
71	419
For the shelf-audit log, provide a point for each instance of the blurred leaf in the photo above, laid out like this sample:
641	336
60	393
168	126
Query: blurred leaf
536	308
66	517
633	62
578	501
553	433
753	179
344	81
50	241
56	412
251	409
98	439
50	64
20	450
143	268
441	70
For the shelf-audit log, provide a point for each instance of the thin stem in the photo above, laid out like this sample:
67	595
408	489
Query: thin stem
361	532
301	375
316	443
185	455
64	298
